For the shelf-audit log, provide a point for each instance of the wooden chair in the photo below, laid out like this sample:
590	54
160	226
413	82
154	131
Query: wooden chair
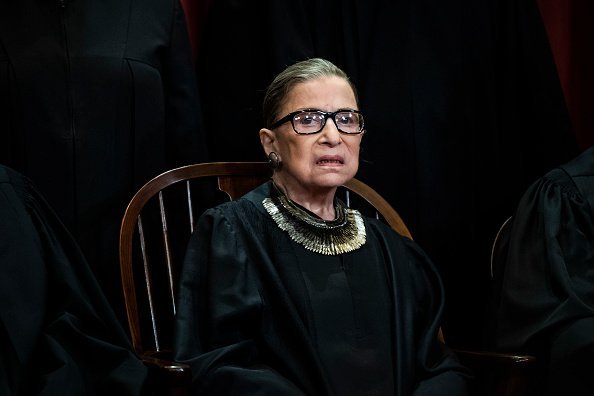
150	256
149	260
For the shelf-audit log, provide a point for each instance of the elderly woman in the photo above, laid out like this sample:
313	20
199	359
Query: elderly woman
288	292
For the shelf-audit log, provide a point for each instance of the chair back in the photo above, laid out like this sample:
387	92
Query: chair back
499	248
158	223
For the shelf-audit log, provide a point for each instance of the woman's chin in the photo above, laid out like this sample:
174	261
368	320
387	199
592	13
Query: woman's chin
331	180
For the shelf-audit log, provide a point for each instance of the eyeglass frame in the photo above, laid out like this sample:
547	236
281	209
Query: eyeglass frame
327	115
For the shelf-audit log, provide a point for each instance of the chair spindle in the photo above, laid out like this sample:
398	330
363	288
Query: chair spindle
147	279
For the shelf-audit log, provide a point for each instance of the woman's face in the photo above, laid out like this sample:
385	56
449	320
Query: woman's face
322	161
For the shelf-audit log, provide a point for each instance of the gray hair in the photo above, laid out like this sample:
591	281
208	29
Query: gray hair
307	70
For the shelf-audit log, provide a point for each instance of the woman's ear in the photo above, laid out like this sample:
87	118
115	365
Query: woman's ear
268	140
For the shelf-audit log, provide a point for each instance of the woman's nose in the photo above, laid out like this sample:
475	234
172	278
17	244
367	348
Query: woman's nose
330	134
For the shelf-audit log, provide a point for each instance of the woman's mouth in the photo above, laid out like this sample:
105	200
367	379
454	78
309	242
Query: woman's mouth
330	160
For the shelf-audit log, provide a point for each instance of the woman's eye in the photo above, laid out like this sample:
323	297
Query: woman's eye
308	119
346	119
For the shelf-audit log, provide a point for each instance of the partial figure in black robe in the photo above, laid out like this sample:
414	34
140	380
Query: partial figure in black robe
58	335
547	290
259	314
96	98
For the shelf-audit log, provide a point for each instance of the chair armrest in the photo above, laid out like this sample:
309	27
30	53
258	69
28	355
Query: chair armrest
500	374
495	359
166	375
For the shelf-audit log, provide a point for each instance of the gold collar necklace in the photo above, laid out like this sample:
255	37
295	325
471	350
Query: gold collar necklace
330	237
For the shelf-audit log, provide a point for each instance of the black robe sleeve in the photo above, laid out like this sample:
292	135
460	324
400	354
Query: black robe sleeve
58	335
418	288
547	295
219	315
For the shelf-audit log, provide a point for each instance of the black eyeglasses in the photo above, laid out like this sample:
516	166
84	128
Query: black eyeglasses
310	121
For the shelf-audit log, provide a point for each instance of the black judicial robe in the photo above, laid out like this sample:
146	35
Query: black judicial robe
547	296
58	335
259	314
96	97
